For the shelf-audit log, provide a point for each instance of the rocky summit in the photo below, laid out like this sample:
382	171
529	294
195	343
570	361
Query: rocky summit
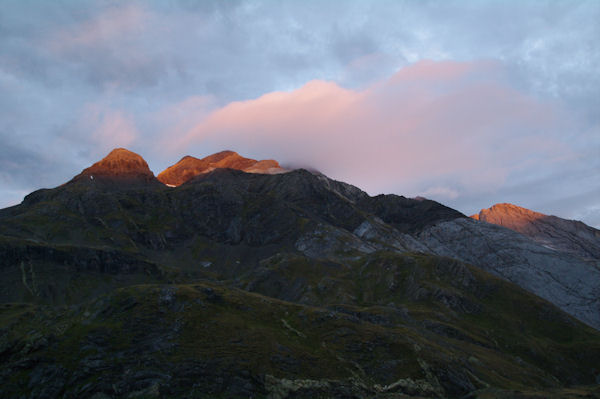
292	285
120	165
570	236
189	167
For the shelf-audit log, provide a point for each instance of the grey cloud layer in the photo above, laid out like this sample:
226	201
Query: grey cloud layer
71	71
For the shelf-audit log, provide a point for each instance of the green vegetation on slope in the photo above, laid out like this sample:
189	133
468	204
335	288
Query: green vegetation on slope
423	325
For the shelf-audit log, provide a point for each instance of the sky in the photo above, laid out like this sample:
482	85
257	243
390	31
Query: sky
469	103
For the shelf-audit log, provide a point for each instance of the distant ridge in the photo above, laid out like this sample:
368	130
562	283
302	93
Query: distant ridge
189	167
571	236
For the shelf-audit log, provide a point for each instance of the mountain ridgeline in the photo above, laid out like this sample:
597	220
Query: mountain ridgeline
189	167
231	277
571	236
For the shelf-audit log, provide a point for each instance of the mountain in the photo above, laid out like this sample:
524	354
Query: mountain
120	165
570	236
289	285
189	167
569	282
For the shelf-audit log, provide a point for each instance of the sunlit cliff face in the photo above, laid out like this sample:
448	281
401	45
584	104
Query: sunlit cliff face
120	163
189	167
510	216
559	234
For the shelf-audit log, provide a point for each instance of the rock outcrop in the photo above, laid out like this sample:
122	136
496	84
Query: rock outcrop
567	281
189	167
120	165
570	236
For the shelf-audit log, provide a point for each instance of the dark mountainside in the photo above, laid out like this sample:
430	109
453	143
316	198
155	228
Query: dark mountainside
288	285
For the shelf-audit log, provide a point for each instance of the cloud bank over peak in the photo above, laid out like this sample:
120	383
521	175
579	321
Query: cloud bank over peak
444	128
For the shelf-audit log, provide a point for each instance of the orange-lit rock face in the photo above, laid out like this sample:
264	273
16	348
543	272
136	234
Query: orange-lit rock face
120	164
183	171
570	236
510	216
189	167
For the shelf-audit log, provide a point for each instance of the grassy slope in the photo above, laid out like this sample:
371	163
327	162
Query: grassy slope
228	341
447	301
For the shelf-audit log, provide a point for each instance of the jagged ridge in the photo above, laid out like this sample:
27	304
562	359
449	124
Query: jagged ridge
189	167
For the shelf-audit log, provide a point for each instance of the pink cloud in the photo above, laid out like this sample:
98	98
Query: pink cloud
431	125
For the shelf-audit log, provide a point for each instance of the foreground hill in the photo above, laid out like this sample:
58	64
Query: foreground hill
384	325
290	285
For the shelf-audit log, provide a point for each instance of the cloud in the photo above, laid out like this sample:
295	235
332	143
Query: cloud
432	124
112	49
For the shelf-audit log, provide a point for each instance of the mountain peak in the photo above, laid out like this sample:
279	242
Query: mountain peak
119	164
189	167
570	236
510	216
507	213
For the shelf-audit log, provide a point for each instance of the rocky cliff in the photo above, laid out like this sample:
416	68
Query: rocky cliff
570	236
567	281
189	167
